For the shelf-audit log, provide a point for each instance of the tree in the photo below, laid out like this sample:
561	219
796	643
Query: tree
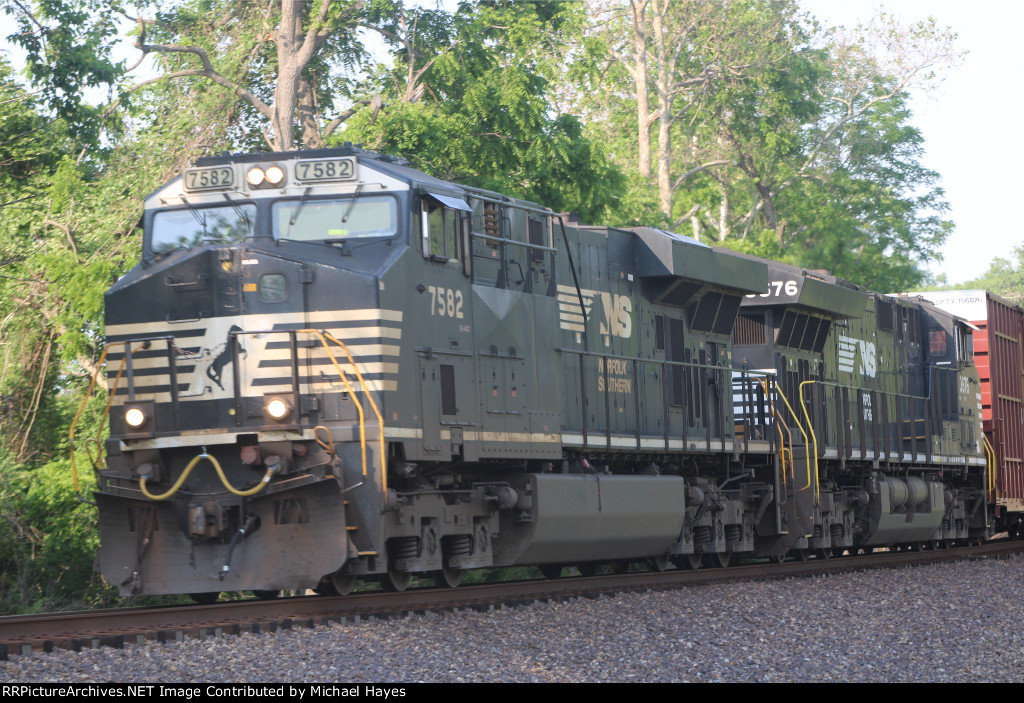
1004	277
777	135
837	178
68	47
291	62
467	101
680	54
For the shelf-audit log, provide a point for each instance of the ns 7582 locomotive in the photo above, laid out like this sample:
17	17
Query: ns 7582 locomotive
330	367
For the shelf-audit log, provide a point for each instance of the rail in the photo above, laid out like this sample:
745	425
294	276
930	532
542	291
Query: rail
885	435
98	461
324	337
25	634
755	413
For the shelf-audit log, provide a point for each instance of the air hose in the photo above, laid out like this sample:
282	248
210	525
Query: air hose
245	529
271	470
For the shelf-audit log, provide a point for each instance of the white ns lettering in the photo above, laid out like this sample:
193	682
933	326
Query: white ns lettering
618	319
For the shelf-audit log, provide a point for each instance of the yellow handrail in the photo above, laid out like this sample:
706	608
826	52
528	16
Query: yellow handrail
814	438
782	438
106	410
800	427
324	336
990	465
351	391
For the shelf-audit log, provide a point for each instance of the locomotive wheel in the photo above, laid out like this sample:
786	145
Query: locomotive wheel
336	584
802	554
550	571
687	561
267	595
446	577
777	559
587	568
396	581
205	598
718	560
342	584
866	550
824	553
661	563
619	567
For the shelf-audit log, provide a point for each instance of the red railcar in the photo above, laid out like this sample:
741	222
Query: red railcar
999	357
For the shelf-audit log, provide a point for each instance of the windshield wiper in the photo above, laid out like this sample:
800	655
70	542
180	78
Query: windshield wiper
200	218
352	203
295	214
239	213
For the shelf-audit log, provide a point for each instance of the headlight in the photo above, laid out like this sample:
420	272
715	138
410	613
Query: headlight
255	176
277	408
266	176
134	417
275	175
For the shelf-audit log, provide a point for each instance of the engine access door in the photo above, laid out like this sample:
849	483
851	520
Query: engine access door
273	357
441	317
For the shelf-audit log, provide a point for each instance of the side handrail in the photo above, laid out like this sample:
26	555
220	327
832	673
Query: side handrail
800	427
786	440
990	466
97	464
810	426
324	337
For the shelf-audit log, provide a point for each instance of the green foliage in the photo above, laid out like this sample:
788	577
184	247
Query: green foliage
787	139
67	231
48	541
480	112
68	46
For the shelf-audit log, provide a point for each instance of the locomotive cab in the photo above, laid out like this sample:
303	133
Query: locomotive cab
248	357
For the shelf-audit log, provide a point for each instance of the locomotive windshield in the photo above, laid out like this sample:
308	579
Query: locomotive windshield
309	220
173	229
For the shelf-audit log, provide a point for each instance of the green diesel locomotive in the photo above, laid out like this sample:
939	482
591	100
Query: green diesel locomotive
330	367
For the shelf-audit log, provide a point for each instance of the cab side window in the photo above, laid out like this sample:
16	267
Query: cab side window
441	228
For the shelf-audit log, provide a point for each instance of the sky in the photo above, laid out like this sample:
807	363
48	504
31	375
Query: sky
968	123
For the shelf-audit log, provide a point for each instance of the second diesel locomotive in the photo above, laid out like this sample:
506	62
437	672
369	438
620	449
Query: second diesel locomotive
329	366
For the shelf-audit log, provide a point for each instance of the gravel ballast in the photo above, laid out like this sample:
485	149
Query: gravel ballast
960	621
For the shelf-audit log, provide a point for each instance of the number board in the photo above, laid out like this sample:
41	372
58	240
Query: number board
340	169
216	178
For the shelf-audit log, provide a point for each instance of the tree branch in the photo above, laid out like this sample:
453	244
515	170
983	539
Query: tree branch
703	167
376	101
